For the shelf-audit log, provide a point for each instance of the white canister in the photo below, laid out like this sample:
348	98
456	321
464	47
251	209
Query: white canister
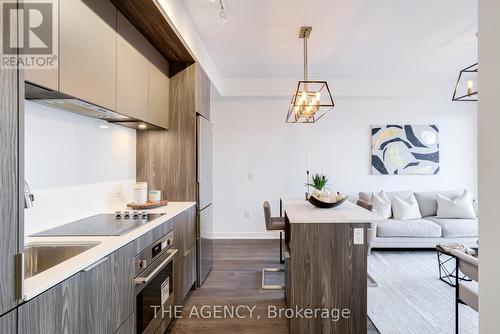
140	192
154	196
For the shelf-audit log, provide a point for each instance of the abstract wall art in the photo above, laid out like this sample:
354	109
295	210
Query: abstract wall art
405	149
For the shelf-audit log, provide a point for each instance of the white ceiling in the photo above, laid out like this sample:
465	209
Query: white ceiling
350	38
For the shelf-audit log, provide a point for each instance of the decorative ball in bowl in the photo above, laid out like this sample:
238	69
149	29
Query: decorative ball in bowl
326	201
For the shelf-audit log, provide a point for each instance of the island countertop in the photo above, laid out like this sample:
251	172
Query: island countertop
300	211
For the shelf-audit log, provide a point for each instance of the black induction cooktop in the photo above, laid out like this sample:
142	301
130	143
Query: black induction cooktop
101	225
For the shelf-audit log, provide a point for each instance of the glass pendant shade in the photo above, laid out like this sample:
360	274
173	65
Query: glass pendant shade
311	101
466	86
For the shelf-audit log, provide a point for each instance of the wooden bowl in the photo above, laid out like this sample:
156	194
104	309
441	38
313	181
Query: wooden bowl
325	205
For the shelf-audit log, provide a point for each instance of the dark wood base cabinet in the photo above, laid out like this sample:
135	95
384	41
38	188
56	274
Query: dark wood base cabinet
8	323
98	300
185	263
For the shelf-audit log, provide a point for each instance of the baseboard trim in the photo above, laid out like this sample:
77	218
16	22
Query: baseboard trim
245	235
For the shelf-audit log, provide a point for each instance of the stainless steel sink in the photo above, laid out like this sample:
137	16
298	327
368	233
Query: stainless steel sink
39	257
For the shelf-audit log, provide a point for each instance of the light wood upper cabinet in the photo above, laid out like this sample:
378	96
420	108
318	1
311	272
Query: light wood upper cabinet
202	93
87	49
132	70
158	89
45	77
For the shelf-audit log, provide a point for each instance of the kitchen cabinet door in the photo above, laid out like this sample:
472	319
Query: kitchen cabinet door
202	93
87	51
123	288
9	174
95	296
8	323
128	327
48	78
185	274
185	242
55	311
132	70
158	89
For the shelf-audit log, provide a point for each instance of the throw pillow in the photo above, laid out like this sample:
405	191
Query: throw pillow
460	207
381	205
406	209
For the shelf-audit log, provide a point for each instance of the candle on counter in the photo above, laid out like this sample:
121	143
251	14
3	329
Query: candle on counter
470	86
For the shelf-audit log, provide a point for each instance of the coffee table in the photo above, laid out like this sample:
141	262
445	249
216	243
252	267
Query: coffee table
447	264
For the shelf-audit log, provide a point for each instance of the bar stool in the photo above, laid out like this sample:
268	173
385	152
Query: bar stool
273	224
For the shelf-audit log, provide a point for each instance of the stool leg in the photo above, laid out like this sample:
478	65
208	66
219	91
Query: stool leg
281	248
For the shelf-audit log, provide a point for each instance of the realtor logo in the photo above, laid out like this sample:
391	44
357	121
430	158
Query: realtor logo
29	34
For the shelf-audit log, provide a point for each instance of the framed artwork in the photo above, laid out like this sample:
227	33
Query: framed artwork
405	149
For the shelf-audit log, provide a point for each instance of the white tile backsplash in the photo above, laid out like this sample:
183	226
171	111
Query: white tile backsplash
75	166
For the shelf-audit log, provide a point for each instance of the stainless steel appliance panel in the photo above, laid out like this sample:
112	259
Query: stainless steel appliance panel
204	258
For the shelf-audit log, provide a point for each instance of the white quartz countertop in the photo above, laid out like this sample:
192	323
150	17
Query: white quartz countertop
45	280
300	211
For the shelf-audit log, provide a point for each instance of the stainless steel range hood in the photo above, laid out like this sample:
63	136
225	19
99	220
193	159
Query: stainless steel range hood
66	102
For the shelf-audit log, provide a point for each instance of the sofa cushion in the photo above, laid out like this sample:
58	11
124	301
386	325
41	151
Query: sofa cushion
408	228
453	228
427	200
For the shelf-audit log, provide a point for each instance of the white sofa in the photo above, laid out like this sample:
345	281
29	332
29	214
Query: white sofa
426	232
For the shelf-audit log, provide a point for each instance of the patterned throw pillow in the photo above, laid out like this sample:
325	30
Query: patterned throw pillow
381	204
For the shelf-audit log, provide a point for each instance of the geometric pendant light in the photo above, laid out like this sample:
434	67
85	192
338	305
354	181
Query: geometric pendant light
466	86
312	99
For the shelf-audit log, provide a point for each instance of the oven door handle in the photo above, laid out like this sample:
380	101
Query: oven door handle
145	280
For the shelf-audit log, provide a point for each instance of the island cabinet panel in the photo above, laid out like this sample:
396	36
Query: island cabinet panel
327	270
185	264
95	296
123	289
8	323
10	122
87	49
55	311
132	70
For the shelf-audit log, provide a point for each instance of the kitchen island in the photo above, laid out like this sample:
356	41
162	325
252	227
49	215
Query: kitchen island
326	266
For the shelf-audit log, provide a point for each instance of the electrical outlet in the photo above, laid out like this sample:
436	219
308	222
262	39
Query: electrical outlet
359	236
116	191
248	213
251	176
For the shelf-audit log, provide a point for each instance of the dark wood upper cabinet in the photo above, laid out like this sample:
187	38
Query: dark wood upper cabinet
202	93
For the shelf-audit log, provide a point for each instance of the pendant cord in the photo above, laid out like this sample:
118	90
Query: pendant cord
305	58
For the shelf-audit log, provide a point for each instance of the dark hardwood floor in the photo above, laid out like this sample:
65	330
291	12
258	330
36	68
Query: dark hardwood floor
235	280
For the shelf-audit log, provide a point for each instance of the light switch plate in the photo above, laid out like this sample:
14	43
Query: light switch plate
359	236
248	213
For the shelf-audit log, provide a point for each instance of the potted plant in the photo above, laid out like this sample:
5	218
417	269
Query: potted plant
319	183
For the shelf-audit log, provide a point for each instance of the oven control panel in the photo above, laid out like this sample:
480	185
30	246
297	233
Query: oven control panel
148	255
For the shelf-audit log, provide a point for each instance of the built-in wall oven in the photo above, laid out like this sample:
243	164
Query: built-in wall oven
154	281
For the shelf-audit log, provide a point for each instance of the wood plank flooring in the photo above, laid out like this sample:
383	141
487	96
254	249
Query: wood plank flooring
235	280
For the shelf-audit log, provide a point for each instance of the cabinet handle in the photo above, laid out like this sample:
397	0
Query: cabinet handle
145	280
187	253
95	264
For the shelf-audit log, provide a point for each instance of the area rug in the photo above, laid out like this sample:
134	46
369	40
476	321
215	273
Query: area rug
410	298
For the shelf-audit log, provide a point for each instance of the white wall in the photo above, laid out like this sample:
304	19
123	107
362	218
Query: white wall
75	168
489	165
250	135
